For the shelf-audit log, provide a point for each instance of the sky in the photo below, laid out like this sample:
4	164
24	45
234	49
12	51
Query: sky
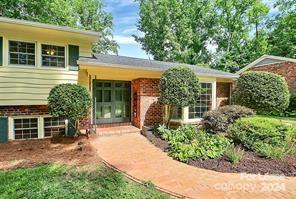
125	16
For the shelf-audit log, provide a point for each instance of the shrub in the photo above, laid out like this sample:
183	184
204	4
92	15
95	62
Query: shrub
262	91
188	142
216	121
263	135
69	101
234	154
291	110
179	87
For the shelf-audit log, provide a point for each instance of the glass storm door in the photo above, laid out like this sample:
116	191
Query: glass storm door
112	101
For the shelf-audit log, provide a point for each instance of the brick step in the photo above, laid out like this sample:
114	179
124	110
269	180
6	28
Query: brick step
117	130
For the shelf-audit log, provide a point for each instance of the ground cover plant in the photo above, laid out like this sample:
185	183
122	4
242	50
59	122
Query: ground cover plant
189	142
56	181
269	137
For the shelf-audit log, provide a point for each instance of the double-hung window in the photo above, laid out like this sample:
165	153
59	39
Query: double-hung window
21	53
53	56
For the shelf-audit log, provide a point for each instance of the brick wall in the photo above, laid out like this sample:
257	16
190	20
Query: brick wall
223	93
145	107
25	110
285	69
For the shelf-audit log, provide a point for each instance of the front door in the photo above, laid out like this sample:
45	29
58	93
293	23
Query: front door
112	101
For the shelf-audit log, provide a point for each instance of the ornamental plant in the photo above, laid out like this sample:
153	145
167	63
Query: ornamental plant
69	101
262	91
179	87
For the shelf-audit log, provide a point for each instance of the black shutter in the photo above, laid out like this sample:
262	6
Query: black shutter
1	51
73	57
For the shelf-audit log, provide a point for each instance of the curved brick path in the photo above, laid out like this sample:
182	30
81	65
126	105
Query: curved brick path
134	155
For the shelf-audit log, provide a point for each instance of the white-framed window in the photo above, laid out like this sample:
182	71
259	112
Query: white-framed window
54	126
53	56
35	127
25	128
21	53
203	103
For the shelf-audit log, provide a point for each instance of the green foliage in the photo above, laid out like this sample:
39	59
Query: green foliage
262	91
54	181
188	142
291	110
84	14
282	37
234	154
69	101
217	121
179	86
269	137
176	30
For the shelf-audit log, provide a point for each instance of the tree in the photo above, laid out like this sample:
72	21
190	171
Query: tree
69	101
179	87
176	30
84	14
235	21
282	38
262	91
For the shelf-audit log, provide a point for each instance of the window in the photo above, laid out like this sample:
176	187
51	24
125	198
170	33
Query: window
204	102
21	53
53	56
26	128
53	126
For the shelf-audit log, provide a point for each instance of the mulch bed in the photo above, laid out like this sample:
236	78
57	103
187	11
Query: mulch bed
62	150
251	163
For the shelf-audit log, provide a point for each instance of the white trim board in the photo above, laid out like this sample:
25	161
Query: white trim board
281	59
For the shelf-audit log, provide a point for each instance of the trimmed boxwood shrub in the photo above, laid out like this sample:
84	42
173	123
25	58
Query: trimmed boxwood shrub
291	110
69	101
179	87
267	136
262	91
188	142
217	121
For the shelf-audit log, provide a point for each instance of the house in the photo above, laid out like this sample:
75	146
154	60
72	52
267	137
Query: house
34	57
283	66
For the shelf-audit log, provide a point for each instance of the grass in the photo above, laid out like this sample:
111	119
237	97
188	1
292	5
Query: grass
286	120
60	181
234	154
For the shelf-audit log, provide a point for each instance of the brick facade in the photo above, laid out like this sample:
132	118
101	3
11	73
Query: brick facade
285	69
223	91
34	110
145	107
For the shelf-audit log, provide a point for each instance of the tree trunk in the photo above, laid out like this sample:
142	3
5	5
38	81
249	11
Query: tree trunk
169	116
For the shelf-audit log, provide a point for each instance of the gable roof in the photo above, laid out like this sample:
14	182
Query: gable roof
266	60
146	64
48	26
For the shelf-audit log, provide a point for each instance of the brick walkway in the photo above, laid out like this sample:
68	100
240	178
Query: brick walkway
134	155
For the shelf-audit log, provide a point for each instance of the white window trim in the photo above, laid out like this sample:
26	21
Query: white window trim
185	111
66	67
40	120
8	56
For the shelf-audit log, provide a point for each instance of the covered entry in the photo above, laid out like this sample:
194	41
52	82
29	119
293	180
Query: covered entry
112	101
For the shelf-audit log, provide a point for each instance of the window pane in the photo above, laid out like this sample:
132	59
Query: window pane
107	95
118	95
53	56
107	111
21	53
203	104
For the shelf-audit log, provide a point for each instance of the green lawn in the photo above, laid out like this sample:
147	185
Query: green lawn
287	120
60	181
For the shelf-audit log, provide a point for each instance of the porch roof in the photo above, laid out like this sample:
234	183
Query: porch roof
146	64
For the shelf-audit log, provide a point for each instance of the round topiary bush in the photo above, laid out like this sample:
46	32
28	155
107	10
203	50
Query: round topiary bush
69	101
262	91
291	110
179	87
